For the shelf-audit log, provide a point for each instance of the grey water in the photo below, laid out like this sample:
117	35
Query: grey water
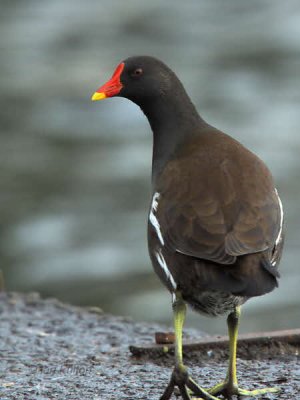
75	175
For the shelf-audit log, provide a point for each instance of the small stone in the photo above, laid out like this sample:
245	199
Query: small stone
32	298
95	310
164	337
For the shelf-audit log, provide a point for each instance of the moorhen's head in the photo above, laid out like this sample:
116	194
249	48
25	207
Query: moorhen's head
140	79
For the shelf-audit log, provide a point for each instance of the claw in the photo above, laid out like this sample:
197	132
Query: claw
184	392
169	390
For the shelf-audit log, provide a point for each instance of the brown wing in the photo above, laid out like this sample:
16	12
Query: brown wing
220	209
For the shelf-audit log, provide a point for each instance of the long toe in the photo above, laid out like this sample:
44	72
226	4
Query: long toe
181	379
199	392
228	391
257	392
178	379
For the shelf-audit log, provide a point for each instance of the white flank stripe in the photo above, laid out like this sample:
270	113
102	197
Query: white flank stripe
153	219
173	297
281	219
273	262
163	264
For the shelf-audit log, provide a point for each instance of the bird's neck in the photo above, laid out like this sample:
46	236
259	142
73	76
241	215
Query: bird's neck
173	119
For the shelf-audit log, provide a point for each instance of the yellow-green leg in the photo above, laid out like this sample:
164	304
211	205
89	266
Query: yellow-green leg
180	377
230	387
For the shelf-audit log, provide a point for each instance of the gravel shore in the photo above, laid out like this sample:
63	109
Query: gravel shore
51	350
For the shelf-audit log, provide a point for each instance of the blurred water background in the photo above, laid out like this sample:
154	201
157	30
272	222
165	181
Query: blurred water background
75	175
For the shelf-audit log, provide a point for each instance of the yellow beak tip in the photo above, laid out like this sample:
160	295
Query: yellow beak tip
98	96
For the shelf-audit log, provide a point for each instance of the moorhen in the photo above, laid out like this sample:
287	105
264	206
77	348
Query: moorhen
215	228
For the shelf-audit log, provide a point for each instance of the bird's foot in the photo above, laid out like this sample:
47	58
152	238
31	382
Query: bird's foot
228	389
188	388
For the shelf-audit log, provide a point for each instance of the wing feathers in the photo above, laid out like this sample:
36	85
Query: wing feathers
214	215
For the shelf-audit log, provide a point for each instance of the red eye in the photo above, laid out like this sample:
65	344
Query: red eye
137	72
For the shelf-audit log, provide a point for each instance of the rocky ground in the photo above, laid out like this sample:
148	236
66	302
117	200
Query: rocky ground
51	350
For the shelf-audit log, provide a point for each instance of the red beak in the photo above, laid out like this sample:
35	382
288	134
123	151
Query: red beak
112	87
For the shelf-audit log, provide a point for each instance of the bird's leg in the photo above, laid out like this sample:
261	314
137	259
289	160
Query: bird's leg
180	377
230	387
